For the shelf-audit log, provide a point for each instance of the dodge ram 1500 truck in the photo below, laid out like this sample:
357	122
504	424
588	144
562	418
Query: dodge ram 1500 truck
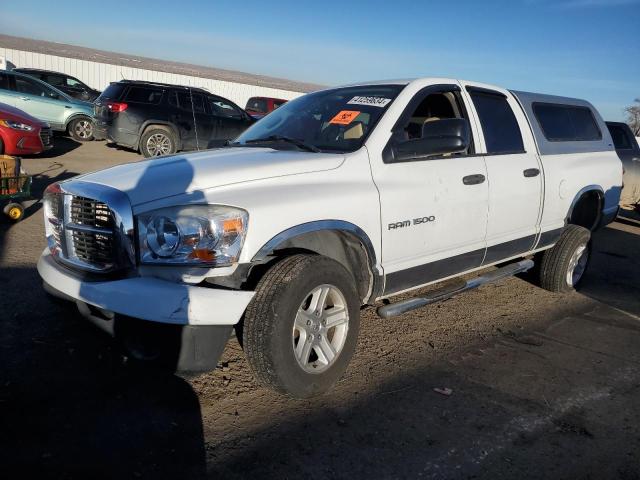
340	198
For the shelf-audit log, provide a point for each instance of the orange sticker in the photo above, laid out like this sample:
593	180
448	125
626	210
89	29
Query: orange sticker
345	117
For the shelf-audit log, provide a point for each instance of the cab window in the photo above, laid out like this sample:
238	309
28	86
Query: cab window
222	108
499	125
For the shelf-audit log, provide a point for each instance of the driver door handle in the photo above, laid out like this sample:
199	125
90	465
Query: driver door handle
531	172
473	179
26	99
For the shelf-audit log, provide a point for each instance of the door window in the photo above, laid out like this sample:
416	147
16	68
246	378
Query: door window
29	87
499	125
432	108
223	108
55	80
72	82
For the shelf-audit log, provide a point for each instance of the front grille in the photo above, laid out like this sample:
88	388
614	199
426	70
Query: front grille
91	225
45	136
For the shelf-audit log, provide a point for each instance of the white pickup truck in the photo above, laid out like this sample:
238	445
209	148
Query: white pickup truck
341	198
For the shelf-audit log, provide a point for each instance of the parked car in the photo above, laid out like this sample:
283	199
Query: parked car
63	82
46	103
628	150
161	119
338	199
22	134
258	107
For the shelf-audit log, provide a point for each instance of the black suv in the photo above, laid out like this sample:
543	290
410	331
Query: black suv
68	84
160	119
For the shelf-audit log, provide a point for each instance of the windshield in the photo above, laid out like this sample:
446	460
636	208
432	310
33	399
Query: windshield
331	120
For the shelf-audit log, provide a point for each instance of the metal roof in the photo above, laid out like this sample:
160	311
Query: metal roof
134	61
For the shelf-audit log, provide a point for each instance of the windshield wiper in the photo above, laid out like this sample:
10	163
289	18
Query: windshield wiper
280	138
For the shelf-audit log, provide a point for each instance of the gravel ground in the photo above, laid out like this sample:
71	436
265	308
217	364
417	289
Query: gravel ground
542	385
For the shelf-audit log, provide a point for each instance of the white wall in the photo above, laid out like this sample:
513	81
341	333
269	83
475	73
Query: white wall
99	75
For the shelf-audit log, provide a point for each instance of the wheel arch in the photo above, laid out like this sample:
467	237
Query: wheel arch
586	208
342	241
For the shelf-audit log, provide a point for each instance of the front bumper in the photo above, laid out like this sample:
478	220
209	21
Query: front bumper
192	322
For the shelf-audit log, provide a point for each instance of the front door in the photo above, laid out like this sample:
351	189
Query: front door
514	173
40	101
433	209
231	120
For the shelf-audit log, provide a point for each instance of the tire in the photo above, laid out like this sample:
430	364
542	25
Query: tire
286	294
157	141
81	129
562	267
14	211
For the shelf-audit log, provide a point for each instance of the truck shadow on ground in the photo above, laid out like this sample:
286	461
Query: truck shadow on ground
70	408
61	146
615	250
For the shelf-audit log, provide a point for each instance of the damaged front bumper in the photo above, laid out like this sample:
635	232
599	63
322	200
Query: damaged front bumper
194	322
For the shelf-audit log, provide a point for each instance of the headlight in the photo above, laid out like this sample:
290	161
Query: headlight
16	125
192	235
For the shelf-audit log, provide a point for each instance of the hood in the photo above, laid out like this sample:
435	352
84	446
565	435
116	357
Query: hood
155	179
7	112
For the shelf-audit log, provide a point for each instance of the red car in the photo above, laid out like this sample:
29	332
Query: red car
22	134
258	107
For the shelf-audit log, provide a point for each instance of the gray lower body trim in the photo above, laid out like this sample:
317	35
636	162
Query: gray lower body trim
429	272
508	249
549	238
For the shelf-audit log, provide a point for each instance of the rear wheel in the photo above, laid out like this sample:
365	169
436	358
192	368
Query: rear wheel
81	129
157	141
14	211
563	266
301	328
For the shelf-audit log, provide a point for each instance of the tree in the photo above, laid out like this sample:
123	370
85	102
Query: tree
633	117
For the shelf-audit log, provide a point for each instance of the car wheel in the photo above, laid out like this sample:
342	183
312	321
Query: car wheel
563	266
300	329
157	141
81	129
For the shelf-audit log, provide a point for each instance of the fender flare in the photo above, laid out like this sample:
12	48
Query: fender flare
589	188
267	250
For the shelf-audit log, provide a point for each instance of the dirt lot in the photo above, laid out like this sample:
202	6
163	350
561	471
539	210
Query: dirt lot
543	385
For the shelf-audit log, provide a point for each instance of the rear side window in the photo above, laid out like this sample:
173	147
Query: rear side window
113	91
499	125
144	95
620	138
566	123
257	105
183	100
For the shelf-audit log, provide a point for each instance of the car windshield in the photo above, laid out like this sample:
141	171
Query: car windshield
337	120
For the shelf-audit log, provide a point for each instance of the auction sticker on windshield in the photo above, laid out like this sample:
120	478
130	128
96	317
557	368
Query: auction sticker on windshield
370	101
345	117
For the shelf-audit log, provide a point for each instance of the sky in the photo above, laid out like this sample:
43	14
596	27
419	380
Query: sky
581	48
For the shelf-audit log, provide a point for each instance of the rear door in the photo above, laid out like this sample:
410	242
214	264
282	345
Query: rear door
189	115
514	172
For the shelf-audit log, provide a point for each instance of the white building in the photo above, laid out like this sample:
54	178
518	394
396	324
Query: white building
97	68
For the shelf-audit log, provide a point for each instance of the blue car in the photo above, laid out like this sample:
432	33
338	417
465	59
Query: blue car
46	103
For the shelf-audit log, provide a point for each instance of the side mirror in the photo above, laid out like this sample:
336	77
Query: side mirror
439	137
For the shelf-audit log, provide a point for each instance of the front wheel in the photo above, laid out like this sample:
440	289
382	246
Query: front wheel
81	129
301	328
14	211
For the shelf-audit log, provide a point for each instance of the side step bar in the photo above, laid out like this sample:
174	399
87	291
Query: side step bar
398	308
